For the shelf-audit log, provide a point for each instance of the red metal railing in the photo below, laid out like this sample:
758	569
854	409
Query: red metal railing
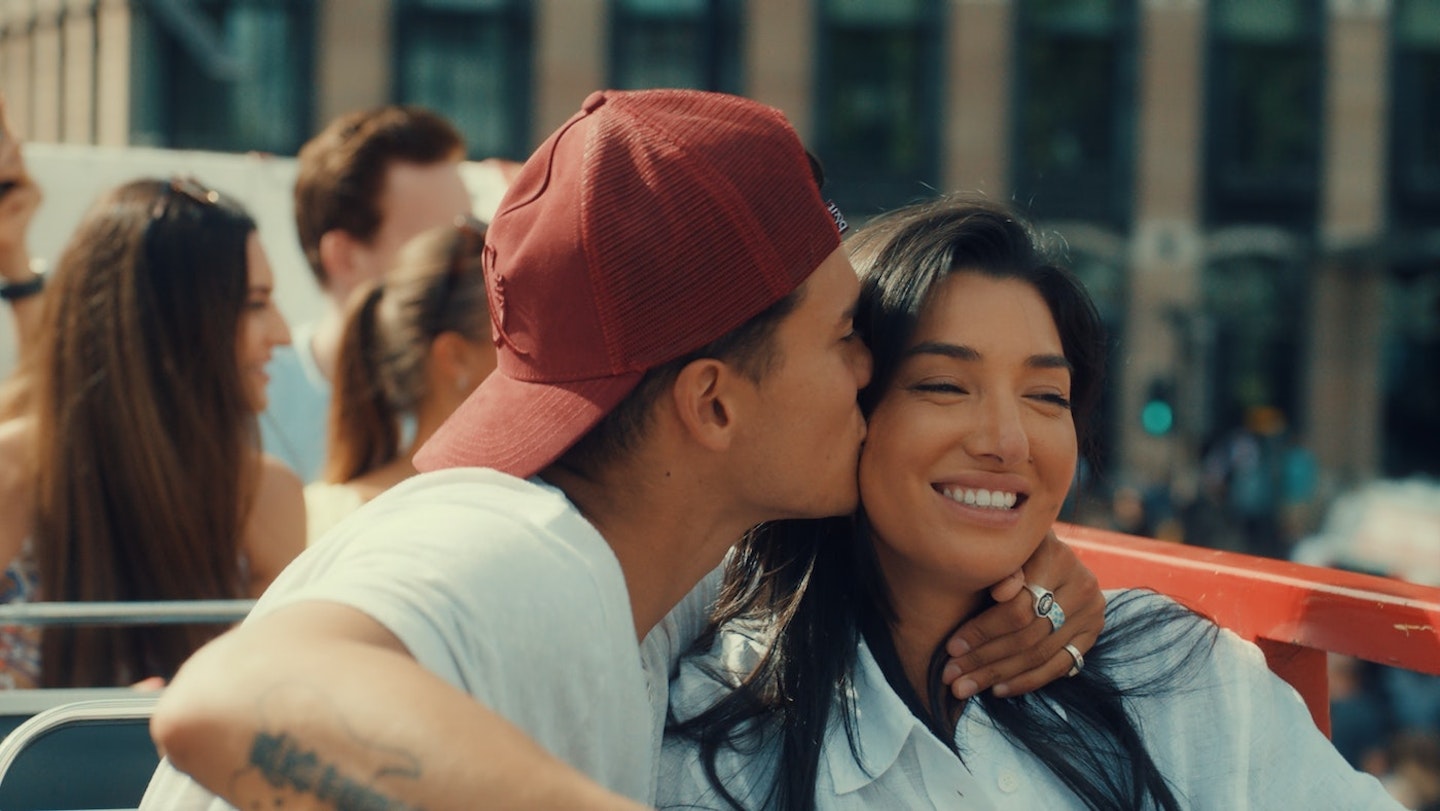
1294	613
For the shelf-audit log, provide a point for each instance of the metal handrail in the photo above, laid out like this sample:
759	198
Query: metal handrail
158	612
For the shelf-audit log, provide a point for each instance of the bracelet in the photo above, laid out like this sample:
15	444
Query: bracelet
15	291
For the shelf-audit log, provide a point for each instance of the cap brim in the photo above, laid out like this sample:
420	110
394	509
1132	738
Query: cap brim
519	427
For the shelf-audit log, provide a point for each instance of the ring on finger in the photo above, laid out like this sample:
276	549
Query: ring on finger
1079	660
1046	606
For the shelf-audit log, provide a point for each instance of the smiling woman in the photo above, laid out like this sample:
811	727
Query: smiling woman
135	472
825	692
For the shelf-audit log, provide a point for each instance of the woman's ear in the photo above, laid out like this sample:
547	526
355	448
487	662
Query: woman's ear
458	364
447	354
703	394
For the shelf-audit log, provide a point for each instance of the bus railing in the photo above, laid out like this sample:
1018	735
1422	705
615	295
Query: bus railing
159	612
1295	613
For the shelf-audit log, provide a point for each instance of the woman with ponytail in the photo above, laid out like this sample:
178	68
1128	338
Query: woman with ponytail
414	345
822	686
134	471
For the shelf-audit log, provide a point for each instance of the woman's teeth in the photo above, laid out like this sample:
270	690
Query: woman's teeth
994	499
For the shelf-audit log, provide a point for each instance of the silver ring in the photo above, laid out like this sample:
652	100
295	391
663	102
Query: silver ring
1079	660
1046	606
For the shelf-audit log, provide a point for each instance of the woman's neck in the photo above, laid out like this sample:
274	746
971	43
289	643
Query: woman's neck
926	613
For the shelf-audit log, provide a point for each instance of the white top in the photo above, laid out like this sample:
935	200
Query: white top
1233	735
500	587
293	427
327	504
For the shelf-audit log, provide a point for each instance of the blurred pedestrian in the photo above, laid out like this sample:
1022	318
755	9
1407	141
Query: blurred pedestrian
365	185
20	283
415	344
135	472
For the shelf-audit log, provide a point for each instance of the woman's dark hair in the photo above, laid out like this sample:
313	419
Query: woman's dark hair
437	286
146	446
818	586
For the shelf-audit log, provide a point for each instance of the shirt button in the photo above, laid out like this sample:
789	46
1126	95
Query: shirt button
1009	782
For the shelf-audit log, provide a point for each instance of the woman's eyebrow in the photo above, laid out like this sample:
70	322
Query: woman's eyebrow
1049	362
969	353
956	351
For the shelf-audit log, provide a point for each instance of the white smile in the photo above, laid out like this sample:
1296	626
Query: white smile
993	499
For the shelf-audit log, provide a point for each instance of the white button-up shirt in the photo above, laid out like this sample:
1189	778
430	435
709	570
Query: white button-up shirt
1230	736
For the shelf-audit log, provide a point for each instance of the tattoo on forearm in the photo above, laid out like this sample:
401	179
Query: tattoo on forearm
285	765
294	773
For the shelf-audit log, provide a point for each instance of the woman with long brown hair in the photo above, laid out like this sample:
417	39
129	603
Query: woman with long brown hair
135	471
415	344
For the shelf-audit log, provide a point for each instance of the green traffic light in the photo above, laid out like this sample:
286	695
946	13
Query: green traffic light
1157	418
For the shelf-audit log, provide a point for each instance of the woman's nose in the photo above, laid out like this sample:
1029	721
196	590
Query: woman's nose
279	330
999	432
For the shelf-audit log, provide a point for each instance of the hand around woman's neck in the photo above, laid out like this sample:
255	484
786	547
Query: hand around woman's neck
926	614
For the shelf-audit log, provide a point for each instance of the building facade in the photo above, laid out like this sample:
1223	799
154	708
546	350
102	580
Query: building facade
1251	190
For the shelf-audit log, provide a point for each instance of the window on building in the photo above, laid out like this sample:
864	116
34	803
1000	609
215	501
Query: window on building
469	60
877	103
1409	362
1074	102
1263	112
1255	306
1415	115
676	43
1103	274
228	75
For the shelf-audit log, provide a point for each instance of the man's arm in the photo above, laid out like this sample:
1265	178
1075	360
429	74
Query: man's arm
1010	648
317	705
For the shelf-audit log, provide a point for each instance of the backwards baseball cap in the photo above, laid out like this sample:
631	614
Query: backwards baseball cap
650	224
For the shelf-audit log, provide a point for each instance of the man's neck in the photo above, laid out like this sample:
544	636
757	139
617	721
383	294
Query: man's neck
325	341
664	529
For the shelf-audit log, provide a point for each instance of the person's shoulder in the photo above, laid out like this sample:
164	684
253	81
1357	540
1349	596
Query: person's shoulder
17	486
480	523
278	488
275	473
705	676
479	491
326	505
274	532
17	445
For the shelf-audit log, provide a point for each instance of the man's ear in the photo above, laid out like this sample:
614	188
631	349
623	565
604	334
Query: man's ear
704	396
338	255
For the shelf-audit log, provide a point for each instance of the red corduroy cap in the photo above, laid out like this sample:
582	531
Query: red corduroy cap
650	224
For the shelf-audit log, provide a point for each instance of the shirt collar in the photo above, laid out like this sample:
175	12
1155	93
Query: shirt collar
882	726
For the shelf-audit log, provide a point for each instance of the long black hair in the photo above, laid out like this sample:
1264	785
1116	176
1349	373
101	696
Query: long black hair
818	589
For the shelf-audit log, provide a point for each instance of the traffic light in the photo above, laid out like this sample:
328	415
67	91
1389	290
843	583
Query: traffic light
1157	416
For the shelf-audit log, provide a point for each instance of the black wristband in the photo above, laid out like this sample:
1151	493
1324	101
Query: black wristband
14	291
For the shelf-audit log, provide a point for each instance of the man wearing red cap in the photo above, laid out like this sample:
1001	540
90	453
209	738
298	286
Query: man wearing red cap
672	315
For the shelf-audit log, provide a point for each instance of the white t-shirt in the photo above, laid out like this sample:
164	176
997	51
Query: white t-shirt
293	425
501	588
1232	735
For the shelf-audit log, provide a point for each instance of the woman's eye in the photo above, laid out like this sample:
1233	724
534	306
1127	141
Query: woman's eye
1054	399
940	388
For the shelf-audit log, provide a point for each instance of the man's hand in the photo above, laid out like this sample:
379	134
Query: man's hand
1013	650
